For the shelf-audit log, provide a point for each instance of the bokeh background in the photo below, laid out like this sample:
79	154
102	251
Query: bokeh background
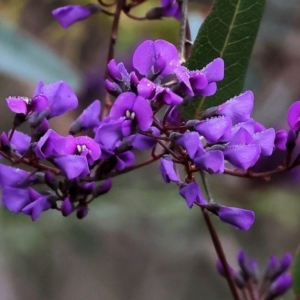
140	242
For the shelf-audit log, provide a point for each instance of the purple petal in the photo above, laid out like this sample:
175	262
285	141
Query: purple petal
143	113
35	208
167	96
21	141
18	105
265	139
15	199
241	137
146	88
167	170
208	91
122	104
69	14
281	284
242	156
190	142
67	207
93	150
280	139
215	129
142	142
293	116
61	97
88	119
13	177
72	166
238	108
248	125
214	71
211	161
144	57
192	194
124	160
239	218
51	144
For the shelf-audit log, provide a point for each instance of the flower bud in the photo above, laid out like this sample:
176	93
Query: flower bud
82	211
67	207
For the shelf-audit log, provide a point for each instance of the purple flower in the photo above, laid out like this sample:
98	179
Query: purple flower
146	88
280	139
111	132
279	286
14	177
217	129
15	199
21	141
171	9
189	141
67	207
59	96
192	194
238	108
293	116
167	96
237	217
159	56
50	144
72	166
134	108
211	161
142	142
167	170
88	119
265	139
70	14
124	159
39	204
241	151
82	145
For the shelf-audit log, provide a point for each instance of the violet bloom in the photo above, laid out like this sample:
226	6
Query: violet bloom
281	284
160	57
192	194
51	144
142	142
265	139
111	132
70	14
57	98
213	72
39	203
88	119
134	108
189	141
21	141
59	95
14	177
241	151
67	207
167	170
238	108
211	161
237	217
293	116
83	146
280	139
216	129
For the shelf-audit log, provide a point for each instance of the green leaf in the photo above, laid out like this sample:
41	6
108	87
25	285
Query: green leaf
228	32
25	58
296	274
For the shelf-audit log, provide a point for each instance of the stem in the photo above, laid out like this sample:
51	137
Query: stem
220	253
206	187
120	4
217	243
182	33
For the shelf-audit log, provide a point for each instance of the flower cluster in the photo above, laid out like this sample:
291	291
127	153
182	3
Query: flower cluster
144	116
274	282
70	14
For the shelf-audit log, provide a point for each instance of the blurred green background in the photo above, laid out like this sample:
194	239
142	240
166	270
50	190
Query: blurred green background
140	242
